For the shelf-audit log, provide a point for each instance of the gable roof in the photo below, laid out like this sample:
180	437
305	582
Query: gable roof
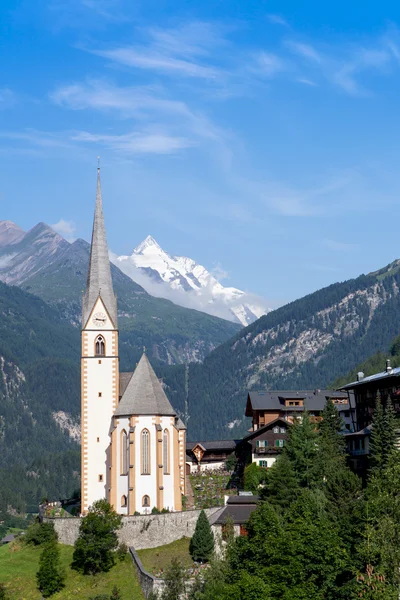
257	432
213	445
144	394
275	400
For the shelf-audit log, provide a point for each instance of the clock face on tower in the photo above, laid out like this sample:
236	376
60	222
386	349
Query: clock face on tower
99	319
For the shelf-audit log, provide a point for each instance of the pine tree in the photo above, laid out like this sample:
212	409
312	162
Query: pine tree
95	547
174	579
202	542
390	421
378	436
50	578
302	449
281	486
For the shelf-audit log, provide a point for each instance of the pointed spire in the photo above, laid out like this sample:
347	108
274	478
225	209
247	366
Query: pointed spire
99	282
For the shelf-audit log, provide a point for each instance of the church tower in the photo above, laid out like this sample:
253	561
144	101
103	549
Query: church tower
99	367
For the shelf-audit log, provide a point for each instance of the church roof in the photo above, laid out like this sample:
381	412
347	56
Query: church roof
99	282
144	394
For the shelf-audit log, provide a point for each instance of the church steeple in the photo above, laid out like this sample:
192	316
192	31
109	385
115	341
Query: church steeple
99	282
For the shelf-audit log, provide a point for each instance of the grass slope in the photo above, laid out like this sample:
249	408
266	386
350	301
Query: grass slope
19	564
156	560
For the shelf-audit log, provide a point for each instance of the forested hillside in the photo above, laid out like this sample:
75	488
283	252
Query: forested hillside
374	364
39	377
305	344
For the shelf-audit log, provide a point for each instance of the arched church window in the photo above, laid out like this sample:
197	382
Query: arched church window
145	452
124	449
124	501
166	451
100	346
146	501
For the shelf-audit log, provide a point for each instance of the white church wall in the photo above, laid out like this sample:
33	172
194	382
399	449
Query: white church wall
122	480
168	480
100	376
145	484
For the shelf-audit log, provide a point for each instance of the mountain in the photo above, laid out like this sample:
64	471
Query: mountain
306	344
39	401
42	262
188	283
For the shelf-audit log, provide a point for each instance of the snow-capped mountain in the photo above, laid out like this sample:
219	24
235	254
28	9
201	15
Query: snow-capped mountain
187	283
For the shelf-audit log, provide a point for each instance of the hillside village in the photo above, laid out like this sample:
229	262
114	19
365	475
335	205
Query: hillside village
135	458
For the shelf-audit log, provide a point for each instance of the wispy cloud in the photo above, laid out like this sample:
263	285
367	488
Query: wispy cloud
269	64
339	246
66	229
7	98
277	20
305	51
185	51
136	142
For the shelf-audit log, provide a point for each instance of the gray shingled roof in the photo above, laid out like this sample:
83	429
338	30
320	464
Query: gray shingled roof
144	394
313	399
99	282
213	445
124	379
376	377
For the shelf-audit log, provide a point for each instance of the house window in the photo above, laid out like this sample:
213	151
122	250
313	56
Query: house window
124	456
282	430
276	430
145	452
261	443
146	501
263	463
279	443
166	451
100	478
100	346
124	501
100	394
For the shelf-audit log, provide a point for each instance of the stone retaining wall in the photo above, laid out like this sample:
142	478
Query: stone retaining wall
145	531
147	581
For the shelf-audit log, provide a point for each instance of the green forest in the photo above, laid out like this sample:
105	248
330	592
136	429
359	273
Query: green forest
319	532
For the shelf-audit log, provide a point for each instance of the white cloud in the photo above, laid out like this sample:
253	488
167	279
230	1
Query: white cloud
136	142
277	20
65	228
7	97
270	64
305	50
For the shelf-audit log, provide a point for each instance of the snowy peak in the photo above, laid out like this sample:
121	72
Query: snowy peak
188	283
149	244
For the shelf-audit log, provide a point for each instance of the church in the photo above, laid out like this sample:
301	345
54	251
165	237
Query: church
133	442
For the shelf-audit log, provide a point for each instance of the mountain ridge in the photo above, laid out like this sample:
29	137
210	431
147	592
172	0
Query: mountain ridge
45	264
188	283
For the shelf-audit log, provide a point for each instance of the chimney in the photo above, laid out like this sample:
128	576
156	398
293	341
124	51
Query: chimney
388	367
360	376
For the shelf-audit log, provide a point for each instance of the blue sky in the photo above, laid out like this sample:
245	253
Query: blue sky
260	138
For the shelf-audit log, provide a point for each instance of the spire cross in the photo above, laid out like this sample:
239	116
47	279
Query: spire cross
144	349
98	163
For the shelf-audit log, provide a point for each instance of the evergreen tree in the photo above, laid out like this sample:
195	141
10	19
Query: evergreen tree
202	542
50	578
302	449
378	436
281	485
390	421
332	425
95	547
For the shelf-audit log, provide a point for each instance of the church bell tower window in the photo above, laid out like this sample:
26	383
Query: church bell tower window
166	451
100	346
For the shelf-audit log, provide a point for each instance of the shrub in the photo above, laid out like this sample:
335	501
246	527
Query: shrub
40	533
122	551
155	511
3	593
